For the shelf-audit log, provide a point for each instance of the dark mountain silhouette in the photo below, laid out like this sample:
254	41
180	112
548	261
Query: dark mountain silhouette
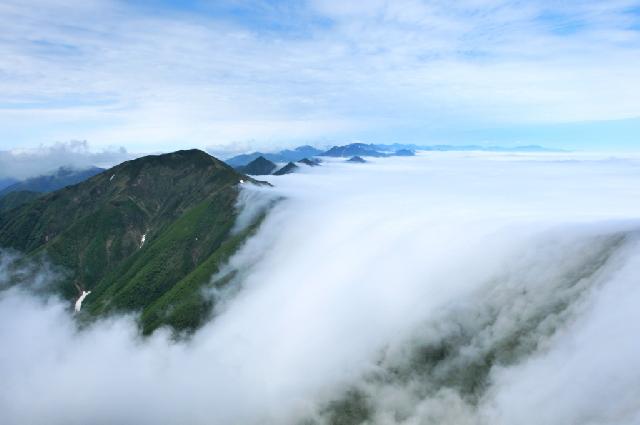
287	169
258	167
404	152
372	150
313	162
287	155
354	149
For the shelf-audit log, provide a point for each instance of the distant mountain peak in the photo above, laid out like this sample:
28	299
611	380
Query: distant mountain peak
258	167
286	155
305	148
287	169
356	159
404	152
354	149
371	150
314	162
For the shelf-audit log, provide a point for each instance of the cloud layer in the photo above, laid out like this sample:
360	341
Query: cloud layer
25	163
231	74
451	288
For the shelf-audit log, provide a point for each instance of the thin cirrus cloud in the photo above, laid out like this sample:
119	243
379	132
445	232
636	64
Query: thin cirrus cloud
162	74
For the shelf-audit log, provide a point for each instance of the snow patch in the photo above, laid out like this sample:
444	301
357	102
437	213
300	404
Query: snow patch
144	238
80	299
112	177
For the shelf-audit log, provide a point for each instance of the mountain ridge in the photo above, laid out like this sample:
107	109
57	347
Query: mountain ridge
286	155
373	150
134	232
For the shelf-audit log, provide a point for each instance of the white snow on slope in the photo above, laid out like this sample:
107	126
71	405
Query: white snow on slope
80	299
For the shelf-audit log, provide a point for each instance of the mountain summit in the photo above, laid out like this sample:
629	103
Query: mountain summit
258	167
287	169
144	235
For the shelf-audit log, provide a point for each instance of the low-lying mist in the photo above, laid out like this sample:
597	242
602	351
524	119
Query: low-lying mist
437	289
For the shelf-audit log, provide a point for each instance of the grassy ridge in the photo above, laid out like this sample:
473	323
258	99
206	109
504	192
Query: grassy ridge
183	204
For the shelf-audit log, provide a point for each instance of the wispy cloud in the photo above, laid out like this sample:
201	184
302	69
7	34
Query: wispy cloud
158	76
24	163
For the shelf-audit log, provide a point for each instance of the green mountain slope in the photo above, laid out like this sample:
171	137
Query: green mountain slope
14	199
142	236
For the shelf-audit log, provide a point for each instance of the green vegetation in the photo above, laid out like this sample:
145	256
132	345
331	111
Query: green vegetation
353	408
143	236
14	199
461	355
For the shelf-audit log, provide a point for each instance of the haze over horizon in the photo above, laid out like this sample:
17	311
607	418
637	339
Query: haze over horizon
234	76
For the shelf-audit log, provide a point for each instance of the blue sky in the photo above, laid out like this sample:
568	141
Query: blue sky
241	75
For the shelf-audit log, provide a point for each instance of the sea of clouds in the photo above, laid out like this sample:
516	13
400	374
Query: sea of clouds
446	288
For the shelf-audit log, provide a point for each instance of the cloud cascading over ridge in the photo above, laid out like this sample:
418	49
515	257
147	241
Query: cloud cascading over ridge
456	288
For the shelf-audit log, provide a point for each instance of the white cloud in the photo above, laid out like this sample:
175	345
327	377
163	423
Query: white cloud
367	259
164	79
25	163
